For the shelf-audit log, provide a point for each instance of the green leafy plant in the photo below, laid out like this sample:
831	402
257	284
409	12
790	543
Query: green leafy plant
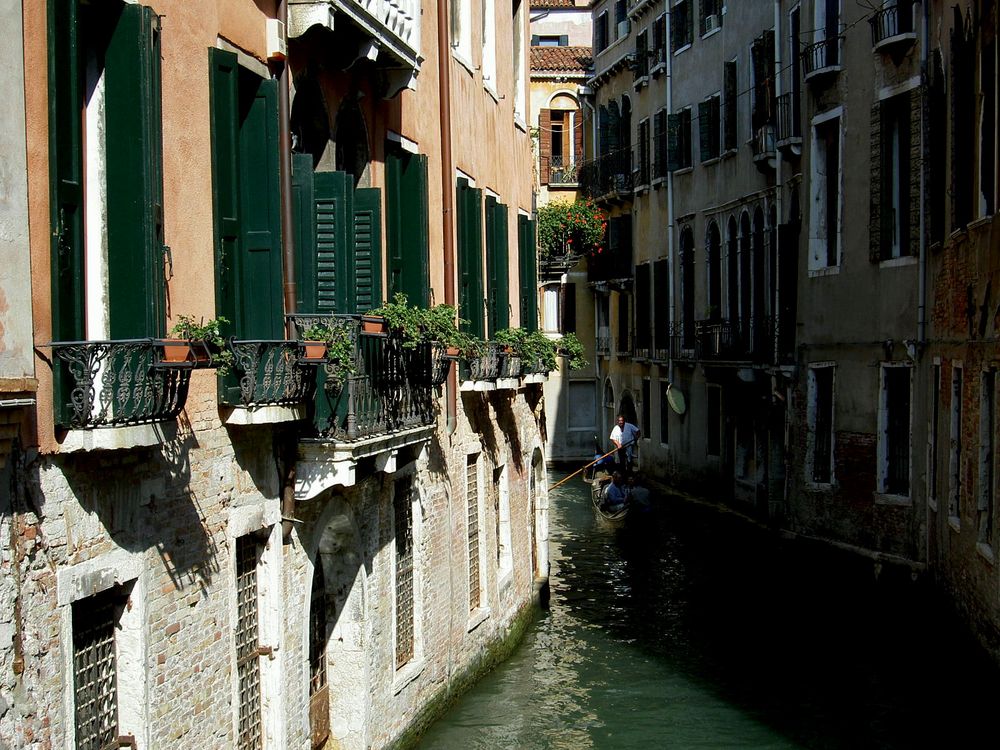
568	229
534	349
569	346
339	340
415	325
208	332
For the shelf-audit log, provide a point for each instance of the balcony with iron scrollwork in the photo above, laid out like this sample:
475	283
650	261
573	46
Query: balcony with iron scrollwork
379	406
608	178
762	145
117	384
892	28
559	171
789	134
821	60
479	372
267	383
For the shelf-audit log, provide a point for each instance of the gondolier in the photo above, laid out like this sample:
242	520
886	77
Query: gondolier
624	435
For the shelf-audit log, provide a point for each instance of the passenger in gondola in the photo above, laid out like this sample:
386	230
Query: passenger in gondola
615	496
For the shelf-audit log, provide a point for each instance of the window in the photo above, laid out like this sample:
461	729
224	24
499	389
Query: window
710	16
660	40
622	25
472	529
825	187
105	146
955	452
489	36
461	29
643	153
820	420
250	734
646	403
713	246
709	127
661	308
795	63
518	22
731	94
498	267
601	32
713	420
962	129
550	307
567	308
643	332
528	272
469	226
641	56
826	25
402	514
560	141
681	25
763	104
95	669
894	184
406	225
932	437
500	490
319	689
894	435
664	413
687	287
986	504
660	145
679	140
624	343
555	40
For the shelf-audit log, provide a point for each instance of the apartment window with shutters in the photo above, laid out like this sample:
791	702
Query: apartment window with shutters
105	154
664	413
250	731
956	448
601	32
661	309
731	93
469	230
624	342
95	669
519	25
550	307
962	129
527	272
710	12
681	25
686	252
819	449
472	530
826	28
497	267
500	491
641	57
893	225
489	52
986	497
622	25
407	215
659	43
763	104
461	30
795	68
642	168
560	141
643	317
825	192
894	430
405	591
932	436
709	127
659	145
679	140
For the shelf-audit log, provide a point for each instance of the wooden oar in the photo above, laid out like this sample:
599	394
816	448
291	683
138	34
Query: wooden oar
584	468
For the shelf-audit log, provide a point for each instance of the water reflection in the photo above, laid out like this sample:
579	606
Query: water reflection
690	629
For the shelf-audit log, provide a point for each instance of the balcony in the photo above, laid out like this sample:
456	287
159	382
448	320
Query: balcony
789	135
558	171
762	146
268	383
892	28
480	373
736	341
386	32
821	60
609	177
117	384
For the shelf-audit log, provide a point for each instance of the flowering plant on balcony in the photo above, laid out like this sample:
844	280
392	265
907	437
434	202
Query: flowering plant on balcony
570	229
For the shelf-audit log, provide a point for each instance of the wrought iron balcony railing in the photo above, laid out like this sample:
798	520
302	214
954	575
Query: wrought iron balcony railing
740	340
387	388
269	373
118	383
892	22
788	118
558	170
762	144
608	174
484	367
821	57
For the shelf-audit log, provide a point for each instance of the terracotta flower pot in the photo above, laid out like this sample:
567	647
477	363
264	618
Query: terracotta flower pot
373	324
314	350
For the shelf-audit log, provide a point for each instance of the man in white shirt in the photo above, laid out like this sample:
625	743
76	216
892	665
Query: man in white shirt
624	436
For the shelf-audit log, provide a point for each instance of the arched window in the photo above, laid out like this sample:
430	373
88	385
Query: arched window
713	258
625	126
732	270
758	282
745	285
687	287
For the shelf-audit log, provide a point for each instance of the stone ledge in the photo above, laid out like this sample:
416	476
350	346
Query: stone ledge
119	438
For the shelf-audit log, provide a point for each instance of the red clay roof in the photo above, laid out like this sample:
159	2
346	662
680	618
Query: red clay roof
553	4
561	59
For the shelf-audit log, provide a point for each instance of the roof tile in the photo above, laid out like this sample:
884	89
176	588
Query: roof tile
561	59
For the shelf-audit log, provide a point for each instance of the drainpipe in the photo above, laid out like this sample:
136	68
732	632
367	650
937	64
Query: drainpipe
669	75
778	186
287	268
447	190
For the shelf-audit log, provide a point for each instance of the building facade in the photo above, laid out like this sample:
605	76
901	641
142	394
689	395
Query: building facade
251	548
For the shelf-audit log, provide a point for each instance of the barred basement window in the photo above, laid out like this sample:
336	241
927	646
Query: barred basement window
895	430
472	507
250	730
402	506
820	415
95	669
319	691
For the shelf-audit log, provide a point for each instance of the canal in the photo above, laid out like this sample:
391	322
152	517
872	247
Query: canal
695	629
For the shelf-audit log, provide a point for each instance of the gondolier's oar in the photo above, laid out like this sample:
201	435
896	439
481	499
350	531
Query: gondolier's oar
584	468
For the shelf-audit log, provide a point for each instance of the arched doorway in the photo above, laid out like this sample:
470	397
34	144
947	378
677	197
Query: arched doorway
538	509
627	408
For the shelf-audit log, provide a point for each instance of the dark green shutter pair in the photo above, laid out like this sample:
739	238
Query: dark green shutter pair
407	214
134	176
469	215
528	267
498	263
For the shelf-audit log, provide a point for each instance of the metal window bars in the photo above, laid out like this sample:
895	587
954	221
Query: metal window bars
250	730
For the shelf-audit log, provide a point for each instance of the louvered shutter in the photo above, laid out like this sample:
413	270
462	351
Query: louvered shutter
729	92
498	263
577	137
330	283
470	263
133	122
304	226
915	166
875	185
673	142
544	145
367	289
407	215
704	129
528	273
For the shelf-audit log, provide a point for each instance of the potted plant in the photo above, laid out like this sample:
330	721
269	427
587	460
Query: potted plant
199	343
569	346
328	341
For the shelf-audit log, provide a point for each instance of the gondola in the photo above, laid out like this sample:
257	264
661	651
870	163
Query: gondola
599	481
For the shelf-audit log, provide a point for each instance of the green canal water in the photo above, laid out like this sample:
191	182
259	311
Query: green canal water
690	628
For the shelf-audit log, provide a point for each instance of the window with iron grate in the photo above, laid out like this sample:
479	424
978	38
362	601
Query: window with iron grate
472	506
249	728
403	518
95	669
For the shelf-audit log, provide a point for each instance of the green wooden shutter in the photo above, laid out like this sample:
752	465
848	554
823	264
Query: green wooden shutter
407	215
470	263
134	150
328	277
305	232
65	190
704	126
673	142
261	301
497	263
224	98
528	273
367	264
